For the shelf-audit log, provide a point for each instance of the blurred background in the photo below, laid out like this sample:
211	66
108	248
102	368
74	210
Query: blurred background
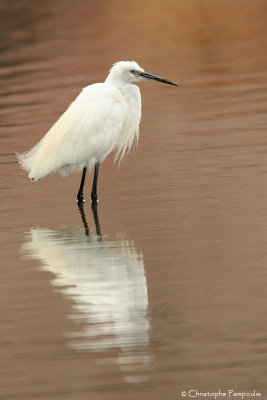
172	296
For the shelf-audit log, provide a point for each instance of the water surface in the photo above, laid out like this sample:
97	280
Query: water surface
172	295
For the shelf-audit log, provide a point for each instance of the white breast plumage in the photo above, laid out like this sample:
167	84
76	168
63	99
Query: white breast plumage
130	128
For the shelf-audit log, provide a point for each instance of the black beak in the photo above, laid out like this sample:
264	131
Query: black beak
156	78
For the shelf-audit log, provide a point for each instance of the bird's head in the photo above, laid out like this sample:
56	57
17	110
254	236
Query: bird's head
130	71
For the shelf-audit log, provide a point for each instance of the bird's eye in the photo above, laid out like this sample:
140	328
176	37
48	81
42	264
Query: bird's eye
133	71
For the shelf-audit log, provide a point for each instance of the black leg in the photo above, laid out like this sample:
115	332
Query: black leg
94	187
97	224
84	221
80	198
85	224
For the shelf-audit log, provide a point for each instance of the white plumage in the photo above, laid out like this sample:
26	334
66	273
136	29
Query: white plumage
105	116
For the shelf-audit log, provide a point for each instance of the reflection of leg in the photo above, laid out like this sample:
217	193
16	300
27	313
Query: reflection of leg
85	224
80	197
97	225
94	187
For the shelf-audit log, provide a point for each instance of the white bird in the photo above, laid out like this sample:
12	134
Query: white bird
105	116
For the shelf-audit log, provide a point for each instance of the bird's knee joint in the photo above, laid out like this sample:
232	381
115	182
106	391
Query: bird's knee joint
94	198
80	199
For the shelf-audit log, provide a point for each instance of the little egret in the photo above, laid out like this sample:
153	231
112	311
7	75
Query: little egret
105	116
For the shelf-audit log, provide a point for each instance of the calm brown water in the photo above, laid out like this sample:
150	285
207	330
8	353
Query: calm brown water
174	296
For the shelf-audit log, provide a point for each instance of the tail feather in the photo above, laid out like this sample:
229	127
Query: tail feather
26	159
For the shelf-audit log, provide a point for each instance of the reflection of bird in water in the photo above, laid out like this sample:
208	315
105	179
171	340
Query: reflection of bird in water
106	280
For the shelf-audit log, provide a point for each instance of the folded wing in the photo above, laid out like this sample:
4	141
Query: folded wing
87	132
